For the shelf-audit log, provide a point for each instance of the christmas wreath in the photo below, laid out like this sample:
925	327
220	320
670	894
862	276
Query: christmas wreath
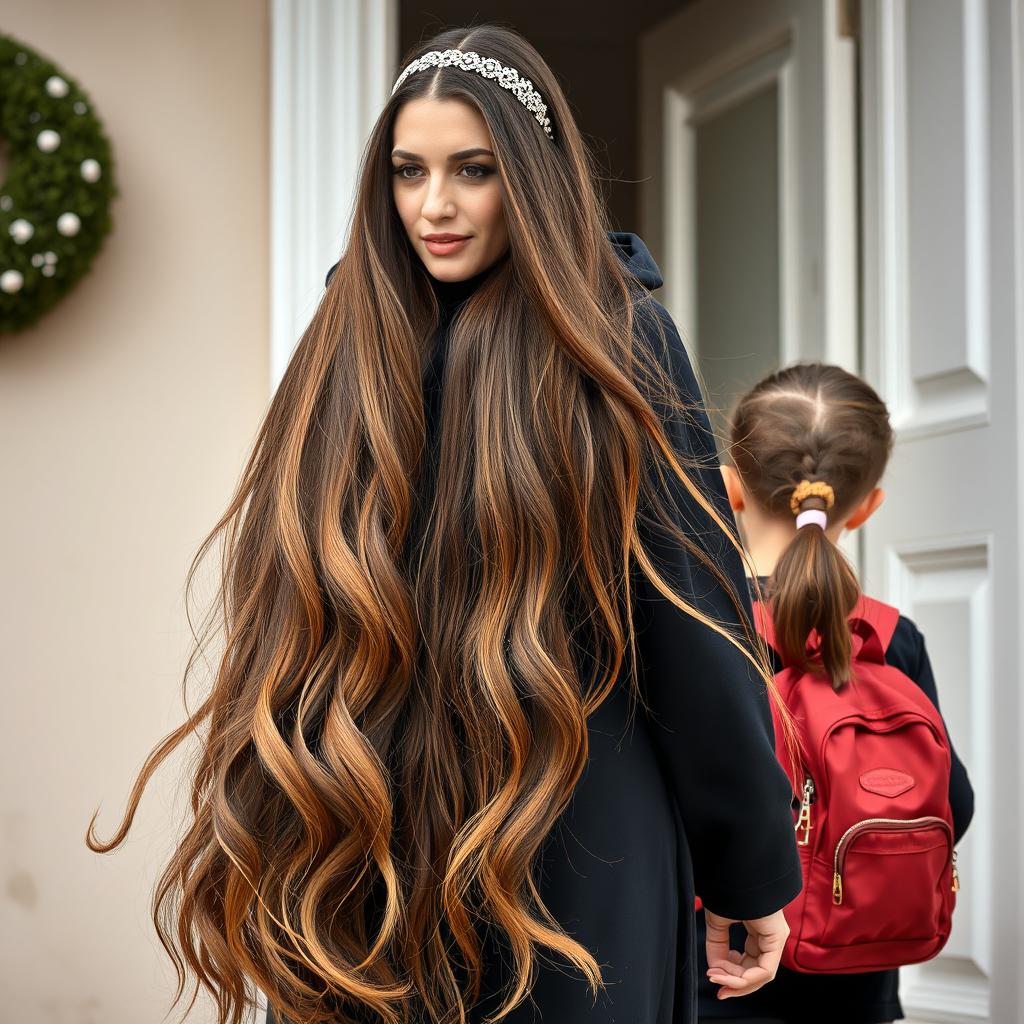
55	201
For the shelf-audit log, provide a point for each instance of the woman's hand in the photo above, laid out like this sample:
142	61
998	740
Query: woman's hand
739	974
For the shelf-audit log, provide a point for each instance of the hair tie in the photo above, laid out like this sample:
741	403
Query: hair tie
811	516
811	489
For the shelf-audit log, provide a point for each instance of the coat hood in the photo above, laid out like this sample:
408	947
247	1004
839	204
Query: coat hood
637	258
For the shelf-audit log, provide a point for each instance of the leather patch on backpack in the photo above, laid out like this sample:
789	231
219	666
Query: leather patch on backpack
887	781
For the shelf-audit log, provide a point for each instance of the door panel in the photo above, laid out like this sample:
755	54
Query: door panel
940	345
737	328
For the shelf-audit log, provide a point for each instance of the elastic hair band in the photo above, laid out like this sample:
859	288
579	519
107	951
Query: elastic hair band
506	77
811	516
811	489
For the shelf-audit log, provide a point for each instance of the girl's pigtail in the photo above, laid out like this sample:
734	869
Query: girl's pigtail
812	593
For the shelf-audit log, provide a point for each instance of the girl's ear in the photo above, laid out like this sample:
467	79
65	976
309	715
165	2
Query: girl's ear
866	509
733	488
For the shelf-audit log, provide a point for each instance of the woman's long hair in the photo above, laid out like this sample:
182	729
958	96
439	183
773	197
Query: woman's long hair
397	718
821	424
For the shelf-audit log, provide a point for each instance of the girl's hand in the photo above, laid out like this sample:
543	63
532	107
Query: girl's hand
739	974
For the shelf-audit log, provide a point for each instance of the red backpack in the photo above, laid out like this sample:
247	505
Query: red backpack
874	827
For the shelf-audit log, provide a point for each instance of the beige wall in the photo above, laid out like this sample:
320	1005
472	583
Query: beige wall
125	416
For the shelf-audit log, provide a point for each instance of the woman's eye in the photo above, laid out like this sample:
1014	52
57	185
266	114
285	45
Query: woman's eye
472	171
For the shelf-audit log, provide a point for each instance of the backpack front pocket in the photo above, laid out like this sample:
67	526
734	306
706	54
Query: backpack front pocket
891	882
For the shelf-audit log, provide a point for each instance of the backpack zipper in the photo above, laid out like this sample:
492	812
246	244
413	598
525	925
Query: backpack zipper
884	825
804	819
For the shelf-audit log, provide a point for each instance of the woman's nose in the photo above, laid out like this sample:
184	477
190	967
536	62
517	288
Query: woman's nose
437	205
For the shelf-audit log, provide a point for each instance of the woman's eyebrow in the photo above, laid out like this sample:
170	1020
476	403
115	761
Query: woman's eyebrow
464	154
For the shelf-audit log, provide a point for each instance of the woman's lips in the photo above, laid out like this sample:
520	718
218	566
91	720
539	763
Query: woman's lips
445	247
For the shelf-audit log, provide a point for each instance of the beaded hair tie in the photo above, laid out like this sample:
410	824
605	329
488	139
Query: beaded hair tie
811	489
506	77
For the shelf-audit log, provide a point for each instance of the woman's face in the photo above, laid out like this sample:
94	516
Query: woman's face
446	187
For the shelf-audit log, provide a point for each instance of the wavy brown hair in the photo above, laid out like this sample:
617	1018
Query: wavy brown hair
818	423
397	717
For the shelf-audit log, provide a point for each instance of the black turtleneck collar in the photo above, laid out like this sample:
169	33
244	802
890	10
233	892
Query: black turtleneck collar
452	294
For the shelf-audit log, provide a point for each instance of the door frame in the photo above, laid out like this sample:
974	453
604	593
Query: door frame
332	68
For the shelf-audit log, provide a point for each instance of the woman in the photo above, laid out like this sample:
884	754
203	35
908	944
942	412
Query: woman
481	518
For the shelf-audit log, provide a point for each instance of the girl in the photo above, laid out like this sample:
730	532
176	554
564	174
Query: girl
482	516
822	425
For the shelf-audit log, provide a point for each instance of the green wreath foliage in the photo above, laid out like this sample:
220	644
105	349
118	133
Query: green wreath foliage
42	187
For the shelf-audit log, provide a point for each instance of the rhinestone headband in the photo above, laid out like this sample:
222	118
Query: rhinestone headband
506	77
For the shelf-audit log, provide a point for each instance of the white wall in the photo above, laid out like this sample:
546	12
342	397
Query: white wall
125	417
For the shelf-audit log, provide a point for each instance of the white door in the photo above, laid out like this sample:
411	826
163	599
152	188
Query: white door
746	100
941	92
749	201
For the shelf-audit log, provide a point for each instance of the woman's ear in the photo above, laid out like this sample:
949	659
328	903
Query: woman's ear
733	488
866	509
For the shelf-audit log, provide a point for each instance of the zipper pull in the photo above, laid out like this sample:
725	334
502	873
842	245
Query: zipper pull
804	820
956	875
837	889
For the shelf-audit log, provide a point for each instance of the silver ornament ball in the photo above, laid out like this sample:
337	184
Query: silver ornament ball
49	270
11	281
56	87
48	140
91	170
21	231
68	224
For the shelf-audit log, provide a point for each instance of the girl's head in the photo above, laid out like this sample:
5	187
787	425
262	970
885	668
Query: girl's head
805	425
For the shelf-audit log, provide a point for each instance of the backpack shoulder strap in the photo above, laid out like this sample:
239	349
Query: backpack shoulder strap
763	625
874	622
